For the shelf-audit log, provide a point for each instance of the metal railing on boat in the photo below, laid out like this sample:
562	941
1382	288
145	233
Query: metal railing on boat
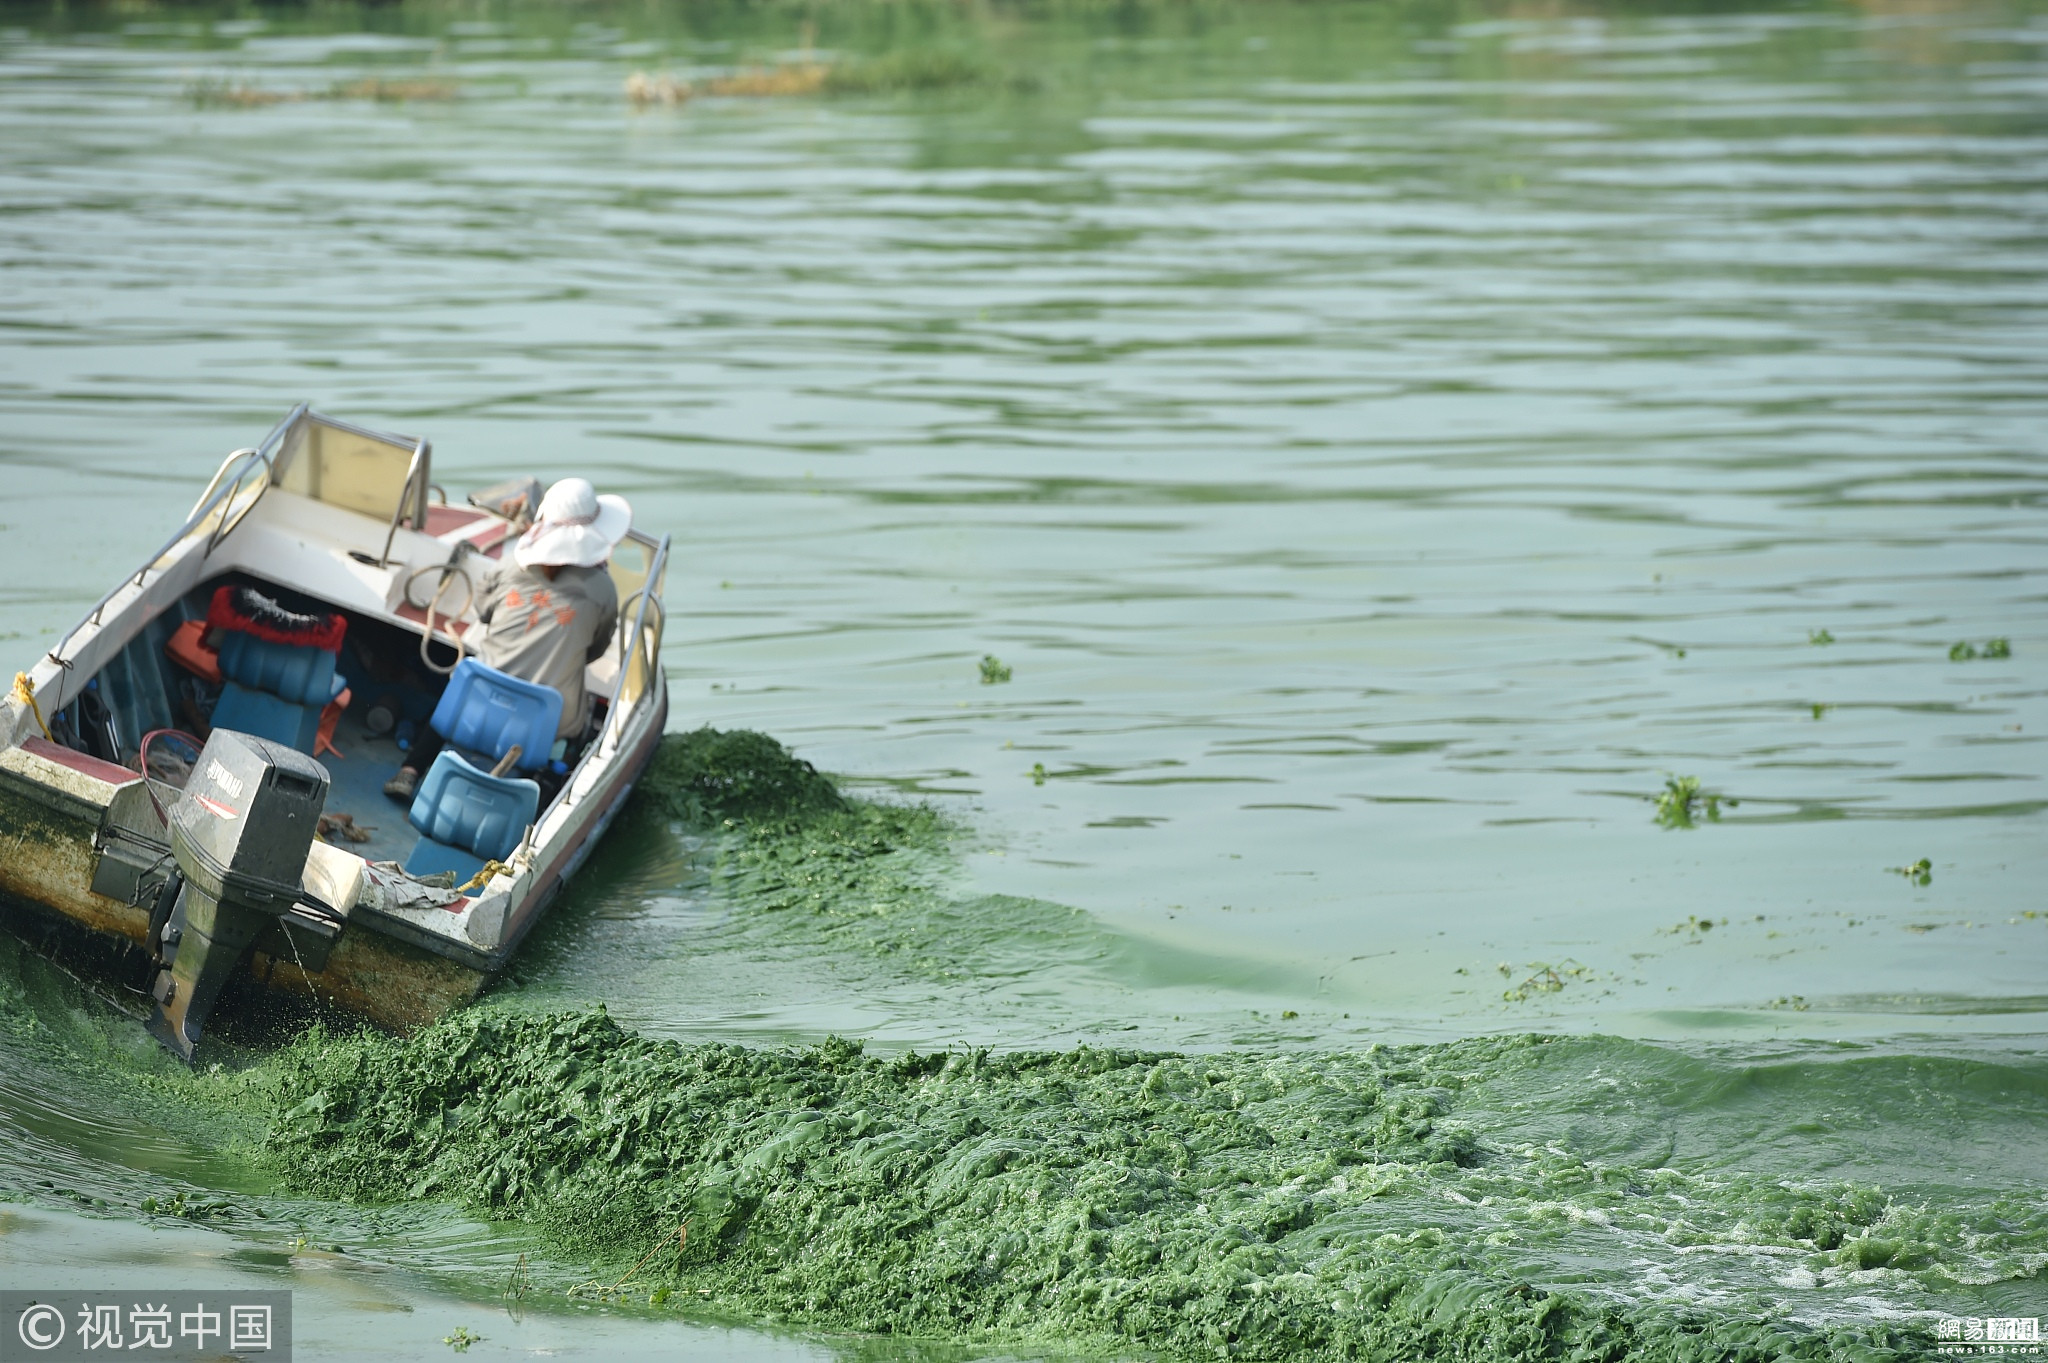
633	649
415	491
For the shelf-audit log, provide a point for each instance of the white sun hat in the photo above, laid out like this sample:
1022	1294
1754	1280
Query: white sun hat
575	526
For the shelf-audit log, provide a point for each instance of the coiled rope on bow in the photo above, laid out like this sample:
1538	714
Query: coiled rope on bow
25	692
483	877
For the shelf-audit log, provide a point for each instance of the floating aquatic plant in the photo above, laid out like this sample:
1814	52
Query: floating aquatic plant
1920	872
908	70
793	78
643	90
1544	979
216	94
993	670
1964	651
394	91
219	94
1819	637
184	1206
1683	800
520	1281
461	1339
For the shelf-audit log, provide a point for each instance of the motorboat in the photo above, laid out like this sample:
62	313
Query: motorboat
191	779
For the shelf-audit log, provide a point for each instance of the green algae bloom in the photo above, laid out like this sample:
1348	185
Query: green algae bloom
802	867
1494	1199
907	69
1242	1205
709	776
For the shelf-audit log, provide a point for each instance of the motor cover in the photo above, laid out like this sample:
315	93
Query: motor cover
246	821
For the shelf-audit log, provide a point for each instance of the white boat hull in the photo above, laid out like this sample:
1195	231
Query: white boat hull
82	840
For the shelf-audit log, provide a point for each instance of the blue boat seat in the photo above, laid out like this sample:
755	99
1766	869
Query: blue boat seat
275	691
486	711
293	672
467	816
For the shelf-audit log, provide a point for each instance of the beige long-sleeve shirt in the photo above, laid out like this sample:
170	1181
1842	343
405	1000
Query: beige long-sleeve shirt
547	631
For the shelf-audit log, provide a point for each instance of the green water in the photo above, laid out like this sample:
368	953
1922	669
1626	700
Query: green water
1385	443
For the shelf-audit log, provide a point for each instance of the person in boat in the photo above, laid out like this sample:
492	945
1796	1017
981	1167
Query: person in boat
548	611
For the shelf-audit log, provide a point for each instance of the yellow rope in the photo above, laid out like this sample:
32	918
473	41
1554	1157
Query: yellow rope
25	692
483	877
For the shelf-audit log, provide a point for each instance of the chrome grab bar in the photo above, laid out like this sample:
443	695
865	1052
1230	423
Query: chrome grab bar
660	624
657	630
205	502
227	527
614	720
414	493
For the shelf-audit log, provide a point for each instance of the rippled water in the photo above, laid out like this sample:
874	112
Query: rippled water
1385	444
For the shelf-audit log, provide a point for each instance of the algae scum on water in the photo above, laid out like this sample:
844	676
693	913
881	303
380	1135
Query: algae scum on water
1259	1206
1498	1198
1514	1197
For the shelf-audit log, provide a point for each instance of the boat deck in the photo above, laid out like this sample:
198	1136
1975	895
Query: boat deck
357	790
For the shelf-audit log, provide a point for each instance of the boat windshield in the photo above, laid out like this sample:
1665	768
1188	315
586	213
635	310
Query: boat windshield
353	468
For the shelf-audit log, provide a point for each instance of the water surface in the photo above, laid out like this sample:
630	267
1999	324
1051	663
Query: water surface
1385	443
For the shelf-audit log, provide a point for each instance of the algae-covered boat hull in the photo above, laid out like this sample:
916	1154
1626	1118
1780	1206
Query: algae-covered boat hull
85	848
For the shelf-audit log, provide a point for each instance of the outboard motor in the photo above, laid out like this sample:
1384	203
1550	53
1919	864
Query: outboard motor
240	836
